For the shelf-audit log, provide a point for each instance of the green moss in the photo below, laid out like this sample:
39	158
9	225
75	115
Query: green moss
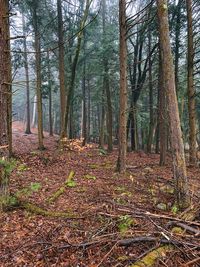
151	258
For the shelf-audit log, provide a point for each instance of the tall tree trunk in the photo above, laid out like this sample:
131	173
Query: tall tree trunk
177	43
61	68
5	96
121	165
191	91
151	115
180	175
88	111
162	115
84	120
106	82
38	78
50	96
74	66
28	119
102	121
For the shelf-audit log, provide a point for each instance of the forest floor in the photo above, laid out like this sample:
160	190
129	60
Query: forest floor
105	218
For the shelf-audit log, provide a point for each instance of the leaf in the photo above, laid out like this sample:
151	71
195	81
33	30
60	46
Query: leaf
71	183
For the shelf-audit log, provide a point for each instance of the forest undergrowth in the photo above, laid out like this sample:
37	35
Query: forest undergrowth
95	216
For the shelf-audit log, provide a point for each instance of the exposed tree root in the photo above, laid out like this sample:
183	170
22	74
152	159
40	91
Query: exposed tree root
62	189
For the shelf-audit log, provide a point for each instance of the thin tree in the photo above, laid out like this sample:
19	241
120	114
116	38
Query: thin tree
61	67
26	67
190	85
38	76
121	164
179	166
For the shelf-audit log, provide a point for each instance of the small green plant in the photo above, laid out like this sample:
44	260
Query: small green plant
8	166
174	209
27	191
71	183
90	177
22	168
125	223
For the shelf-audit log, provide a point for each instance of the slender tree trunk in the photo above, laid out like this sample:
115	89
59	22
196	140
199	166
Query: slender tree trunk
180	175
74	67
88	111
38	79
102	121
191	91
121	166
151	120
28	119
84	121
50	97
177	44
61	68
162	116
106	83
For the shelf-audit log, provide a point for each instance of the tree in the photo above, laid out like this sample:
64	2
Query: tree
179	166
61	67
121	164
26	67
5	96
5	82
190	84
37	39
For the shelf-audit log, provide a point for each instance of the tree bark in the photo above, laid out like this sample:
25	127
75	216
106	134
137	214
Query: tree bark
5	82
38	78
106	82
26	67
121	166
179	166
61	68
190	85
50	96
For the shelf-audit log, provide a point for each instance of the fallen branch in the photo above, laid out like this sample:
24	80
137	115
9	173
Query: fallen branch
62	189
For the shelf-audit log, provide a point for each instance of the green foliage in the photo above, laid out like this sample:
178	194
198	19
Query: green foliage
8	166
174	209
27	191
71	183
90	177
22	168
125	223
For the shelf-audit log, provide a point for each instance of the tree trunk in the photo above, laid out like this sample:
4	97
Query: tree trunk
50	96
74	67
28	119
121	166
5	96
106	82
84	120
102	121
162	116
151	115
38	79
190	86
180	175
61	68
